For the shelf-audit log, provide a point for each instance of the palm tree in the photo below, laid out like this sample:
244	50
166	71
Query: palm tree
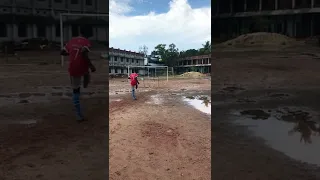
206	49
305	128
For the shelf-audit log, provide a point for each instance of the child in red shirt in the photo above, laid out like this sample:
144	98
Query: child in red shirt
134	83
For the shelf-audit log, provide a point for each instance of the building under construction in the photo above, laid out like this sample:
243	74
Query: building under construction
200	63
119	60
294	18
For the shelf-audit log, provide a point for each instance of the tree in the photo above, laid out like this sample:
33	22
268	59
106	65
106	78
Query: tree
171	54
143	50
206	49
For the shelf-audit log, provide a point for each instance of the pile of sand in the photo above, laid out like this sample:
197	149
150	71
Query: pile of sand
192	74
259	39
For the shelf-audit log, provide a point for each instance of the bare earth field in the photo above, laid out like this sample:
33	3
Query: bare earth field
159	136
39	137
265	115
156	137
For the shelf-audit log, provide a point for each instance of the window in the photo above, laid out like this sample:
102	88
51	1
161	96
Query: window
57	30
89	2
22	30
132	61
109	69
116	70
121	59
121	71
74	2
41	30
3	30
137	61
115	59
127	60
75	30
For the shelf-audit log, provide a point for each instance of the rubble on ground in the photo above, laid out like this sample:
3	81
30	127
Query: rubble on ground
259	39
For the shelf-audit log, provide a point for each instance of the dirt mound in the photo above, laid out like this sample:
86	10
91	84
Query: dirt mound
259	39
192	74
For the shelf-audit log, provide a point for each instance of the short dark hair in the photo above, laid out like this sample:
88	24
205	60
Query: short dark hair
84	30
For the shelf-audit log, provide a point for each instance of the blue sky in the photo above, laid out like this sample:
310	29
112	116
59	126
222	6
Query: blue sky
141	7
135	23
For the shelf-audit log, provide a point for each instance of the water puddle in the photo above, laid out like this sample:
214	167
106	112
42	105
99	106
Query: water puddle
202	103
155	99
291	131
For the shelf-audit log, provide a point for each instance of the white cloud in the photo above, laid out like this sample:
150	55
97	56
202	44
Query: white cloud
182	25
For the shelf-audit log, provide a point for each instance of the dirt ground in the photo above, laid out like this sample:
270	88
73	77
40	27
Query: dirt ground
40	139
158	136
244	80
38	134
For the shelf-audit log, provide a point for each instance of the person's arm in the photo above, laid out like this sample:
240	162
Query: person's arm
64	52
137	80
85	55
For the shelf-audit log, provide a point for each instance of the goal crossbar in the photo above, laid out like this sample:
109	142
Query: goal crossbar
150	67
74	14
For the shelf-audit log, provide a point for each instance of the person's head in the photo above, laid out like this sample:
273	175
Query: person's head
84	31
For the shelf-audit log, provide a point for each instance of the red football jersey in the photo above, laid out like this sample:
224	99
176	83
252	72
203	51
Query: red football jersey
78	66
133	80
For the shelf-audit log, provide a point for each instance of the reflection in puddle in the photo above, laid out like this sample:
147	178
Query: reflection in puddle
202	103
291	132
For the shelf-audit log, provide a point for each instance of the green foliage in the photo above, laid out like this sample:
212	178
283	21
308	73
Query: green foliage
169	55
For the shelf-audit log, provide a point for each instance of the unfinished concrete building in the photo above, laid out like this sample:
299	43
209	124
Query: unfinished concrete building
119	60
194	63
294	18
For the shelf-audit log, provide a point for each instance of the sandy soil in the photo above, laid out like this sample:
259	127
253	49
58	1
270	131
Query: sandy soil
41	140
242	80
158	136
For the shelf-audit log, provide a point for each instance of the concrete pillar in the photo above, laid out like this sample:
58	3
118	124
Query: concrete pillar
311	25
312	3
245	5
53	32
293	4
34	31
14	31
231	6
276	5
218	6
260	5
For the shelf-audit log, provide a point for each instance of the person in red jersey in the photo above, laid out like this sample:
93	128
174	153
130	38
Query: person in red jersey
134	83
79	65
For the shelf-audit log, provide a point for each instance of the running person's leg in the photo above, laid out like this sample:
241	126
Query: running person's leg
86	80
75	85
133	92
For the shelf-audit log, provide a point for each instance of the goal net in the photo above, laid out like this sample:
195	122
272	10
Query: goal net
96	29
151	76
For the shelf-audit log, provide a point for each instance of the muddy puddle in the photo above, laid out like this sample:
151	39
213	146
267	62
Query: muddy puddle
199	102
155	99
292	131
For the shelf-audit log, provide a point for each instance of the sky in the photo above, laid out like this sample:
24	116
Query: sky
134	23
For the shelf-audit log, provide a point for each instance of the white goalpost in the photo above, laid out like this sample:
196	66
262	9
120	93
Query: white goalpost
150	71
62	28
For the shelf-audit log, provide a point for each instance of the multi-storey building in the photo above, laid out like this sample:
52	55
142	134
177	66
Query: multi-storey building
22	19
295	18
119	60
195	63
